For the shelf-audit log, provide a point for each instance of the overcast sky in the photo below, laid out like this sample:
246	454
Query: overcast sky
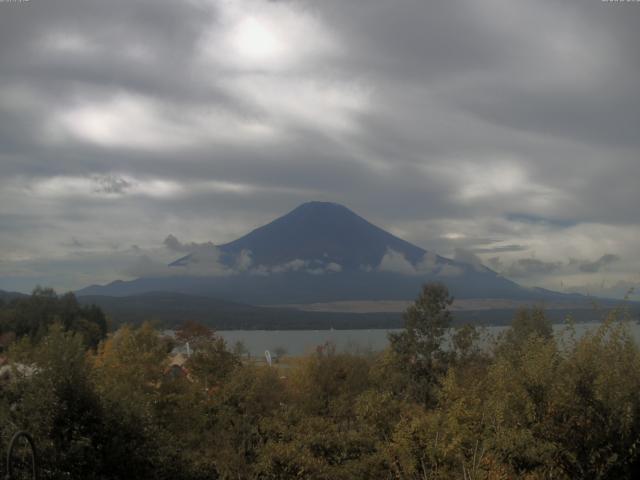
500	128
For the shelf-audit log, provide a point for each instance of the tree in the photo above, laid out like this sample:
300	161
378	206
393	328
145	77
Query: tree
194	333
418	349
233	428
527	323
33	316
128	374
279	352
211	362
464	341
240	349
531	321
56	402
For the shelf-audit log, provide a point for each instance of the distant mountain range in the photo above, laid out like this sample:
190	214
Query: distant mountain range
322	252
8	296
168	309
319	266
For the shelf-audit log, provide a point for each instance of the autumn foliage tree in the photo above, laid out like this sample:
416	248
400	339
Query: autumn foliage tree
438	403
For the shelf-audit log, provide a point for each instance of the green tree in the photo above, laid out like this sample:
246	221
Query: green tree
150	420
54	399
211	362
234	431
240	349
33	316
417	350
321	431
530	321
465	342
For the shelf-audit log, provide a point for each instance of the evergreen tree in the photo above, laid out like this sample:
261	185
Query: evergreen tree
418	349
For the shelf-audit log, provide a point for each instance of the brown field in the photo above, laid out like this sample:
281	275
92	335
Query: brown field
394	306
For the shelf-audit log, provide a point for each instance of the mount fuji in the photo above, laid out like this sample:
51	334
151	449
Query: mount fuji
322	252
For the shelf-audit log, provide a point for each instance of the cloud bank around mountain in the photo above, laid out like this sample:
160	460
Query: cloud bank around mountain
506	129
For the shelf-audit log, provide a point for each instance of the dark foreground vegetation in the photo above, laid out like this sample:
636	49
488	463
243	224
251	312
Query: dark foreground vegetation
528	406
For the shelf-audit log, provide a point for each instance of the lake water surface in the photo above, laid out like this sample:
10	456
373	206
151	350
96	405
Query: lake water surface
300	342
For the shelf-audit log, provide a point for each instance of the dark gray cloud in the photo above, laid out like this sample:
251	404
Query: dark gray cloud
468	257
495	127
602	262
174	245
111	184
526	267
536	220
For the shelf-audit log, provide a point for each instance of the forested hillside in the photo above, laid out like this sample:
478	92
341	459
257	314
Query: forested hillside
31	316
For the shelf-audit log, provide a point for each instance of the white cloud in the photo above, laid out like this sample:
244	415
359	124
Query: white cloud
244	261
292	102
291	266
465	256
68	43
490	180
396	262
428	263
314	267
133	121
269	53
262	36
334	267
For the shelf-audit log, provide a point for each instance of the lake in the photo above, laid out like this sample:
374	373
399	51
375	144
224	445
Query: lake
300	342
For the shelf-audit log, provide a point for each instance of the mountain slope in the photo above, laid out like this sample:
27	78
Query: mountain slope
322	252
8	296
325	232
319	234
171	309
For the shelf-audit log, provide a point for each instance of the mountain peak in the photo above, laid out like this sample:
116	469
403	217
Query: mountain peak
320	205
324	233
318	208
315	209
323	251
